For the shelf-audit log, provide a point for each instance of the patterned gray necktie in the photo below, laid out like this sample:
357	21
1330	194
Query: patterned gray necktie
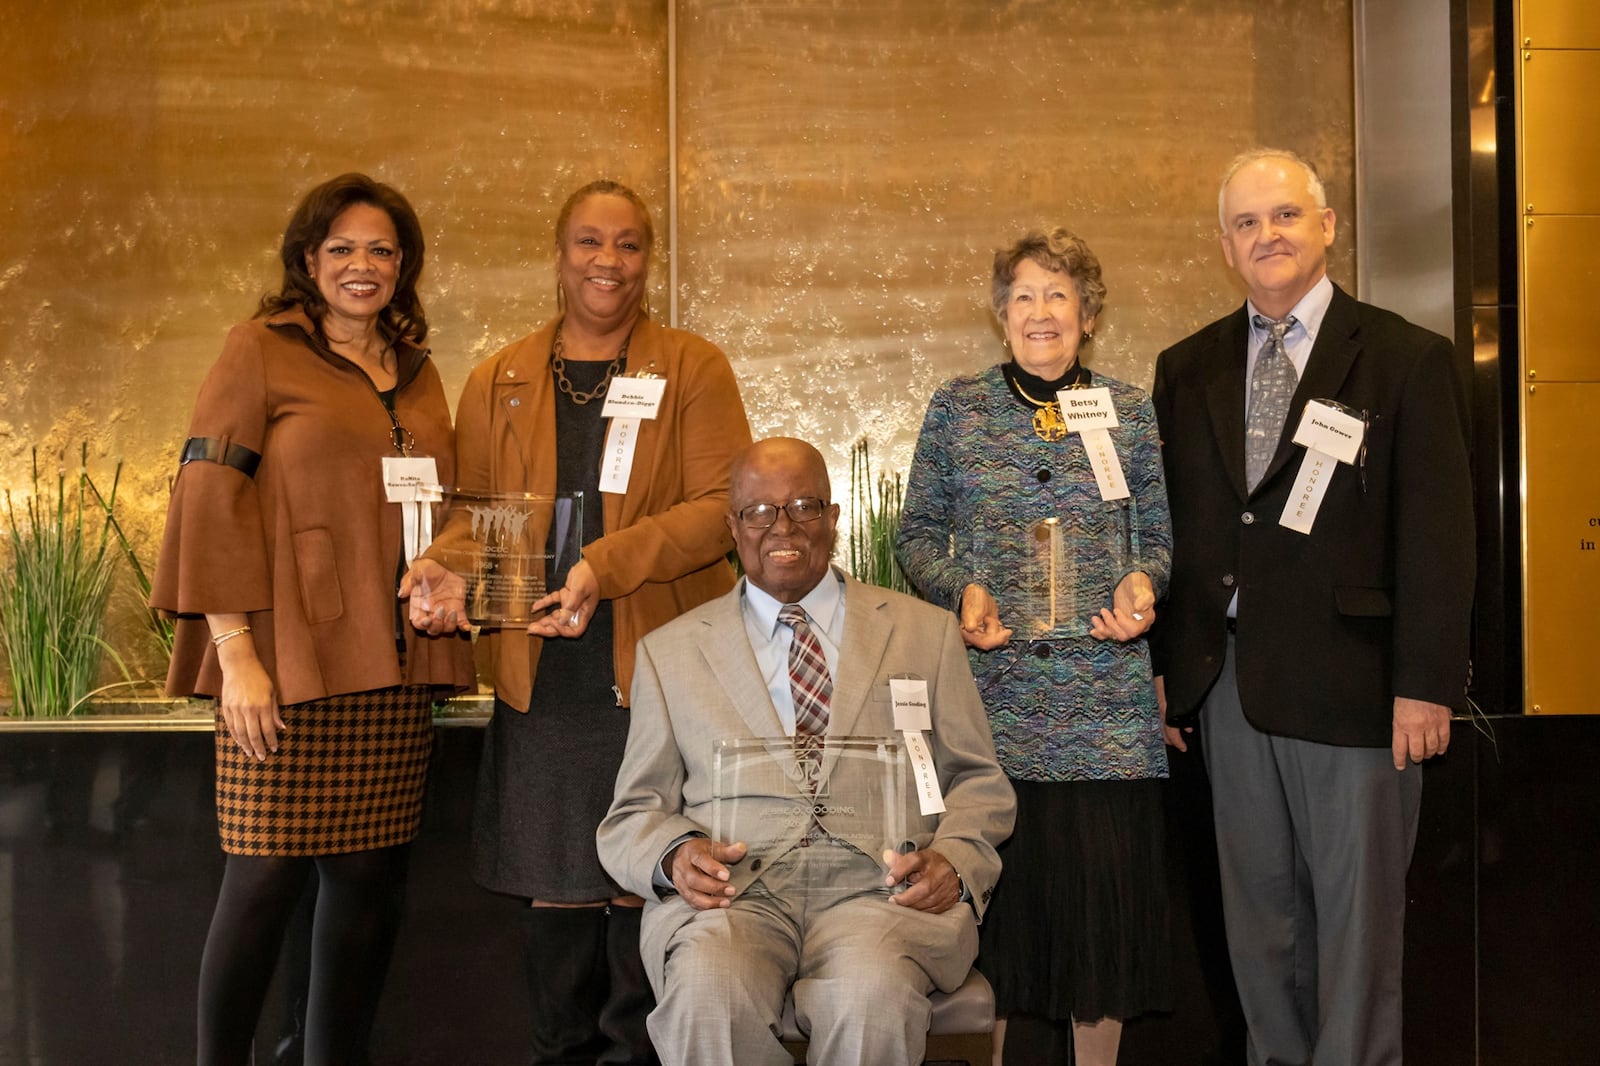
1271	388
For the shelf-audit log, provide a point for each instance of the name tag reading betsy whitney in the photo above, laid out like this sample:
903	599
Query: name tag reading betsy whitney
1090	413
1330	435
628	402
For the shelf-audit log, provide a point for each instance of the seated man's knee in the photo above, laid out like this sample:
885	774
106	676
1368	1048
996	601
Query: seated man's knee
709	964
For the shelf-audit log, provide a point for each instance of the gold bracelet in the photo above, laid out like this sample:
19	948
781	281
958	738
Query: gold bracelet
222	638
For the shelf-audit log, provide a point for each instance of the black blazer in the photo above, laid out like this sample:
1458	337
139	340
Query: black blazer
1376	601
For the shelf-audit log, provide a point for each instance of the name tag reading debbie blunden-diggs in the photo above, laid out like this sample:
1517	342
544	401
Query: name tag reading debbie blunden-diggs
629	401
1331	434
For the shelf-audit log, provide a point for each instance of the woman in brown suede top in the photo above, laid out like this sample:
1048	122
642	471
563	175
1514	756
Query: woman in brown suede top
281	560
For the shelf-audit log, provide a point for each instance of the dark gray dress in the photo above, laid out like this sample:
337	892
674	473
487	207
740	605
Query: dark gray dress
547	776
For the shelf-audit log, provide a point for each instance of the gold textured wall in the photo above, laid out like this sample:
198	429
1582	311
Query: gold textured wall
1558	150
845	172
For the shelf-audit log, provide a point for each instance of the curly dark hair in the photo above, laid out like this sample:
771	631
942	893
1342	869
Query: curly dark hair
308	227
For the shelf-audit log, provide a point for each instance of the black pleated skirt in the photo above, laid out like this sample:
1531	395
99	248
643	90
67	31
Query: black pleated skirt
1077	928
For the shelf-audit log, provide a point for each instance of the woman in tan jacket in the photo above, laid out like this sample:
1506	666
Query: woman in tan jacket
530	421
280	560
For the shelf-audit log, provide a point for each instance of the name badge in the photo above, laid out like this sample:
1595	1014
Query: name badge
634	398
1084	409
912	718
410	478
1331	430
910	696
1090	414
413	483
1331	434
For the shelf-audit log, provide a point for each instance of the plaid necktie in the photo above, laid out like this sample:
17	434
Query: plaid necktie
1271	388
809	682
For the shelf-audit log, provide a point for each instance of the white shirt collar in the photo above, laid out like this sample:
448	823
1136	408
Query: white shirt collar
1308	313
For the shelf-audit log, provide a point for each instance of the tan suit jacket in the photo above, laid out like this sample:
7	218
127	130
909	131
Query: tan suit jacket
665	538
698	682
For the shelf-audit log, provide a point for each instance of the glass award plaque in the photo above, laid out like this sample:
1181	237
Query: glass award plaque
840	798
1050	575
510	548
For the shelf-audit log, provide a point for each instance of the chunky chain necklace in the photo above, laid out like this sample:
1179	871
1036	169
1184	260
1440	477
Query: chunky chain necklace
558	363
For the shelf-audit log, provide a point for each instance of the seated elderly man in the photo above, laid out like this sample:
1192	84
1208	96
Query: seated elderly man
798	649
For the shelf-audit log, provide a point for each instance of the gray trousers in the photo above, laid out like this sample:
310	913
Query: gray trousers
861	968
1314	841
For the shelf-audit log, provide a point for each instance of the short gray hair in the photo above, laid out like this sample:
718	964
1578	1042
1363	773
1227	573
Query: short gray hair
1255	155
1059	251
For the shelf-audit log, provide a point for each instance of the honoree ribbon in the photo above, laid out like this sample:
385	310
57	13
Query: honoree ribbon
1331	434
628	402
911	718
413	483
1091	414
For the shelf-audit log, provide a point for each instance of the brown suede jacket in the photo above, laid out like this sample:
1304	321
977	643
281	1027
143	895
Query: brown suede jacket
308	547
665	538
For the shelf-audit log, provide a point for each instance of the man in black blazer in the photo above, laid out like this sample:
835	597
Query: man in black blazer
1321	661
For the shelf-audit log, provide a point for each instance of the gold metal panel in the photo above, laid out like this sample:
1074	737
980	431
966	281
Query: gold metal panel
1560	23
1560	132
1561	276
152	154
848	170
1561	533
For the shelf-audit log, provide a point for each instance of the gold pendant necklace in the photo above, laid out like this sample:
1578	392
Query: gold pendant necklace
1048	424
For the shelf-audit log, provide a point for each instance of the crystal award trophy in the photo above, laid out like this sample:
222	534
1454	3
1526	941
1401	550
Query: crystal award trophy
510	548
842	799
1051	574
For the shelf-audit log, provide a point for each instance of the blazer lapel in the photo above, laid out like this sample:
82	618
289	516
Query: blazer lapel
726	649
867	627
1329	364
1225	397
527	400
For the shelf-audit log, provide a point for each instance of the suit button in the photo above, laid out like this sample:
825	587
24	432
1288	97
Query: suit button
515	402
1044	475
1248	518
1041	651
1227	581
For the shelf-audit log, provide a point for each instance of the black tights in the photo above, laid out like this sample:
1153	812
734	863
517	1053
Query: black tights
360	901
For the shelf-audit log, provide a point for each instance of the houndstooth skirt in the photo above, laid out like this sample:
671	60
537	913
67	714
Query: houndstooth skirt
348	775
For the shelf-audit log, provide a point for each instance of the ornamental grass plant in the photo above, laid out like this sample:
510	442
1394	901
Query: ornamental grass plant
874	522
54	585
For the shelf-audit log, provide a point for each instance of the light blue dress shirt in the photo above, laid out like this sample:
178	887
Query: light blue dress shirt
770	638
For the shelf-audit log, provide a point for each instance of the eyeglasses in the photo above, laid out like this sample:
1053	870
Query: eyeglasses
762	515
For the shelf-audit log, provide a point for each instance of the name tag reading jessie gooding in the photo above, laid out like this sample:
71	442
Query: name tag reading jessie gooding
912	718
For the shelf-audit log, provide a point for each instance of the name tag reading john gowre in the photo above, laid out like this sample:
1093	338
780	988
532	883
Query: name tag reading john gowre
1331	434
